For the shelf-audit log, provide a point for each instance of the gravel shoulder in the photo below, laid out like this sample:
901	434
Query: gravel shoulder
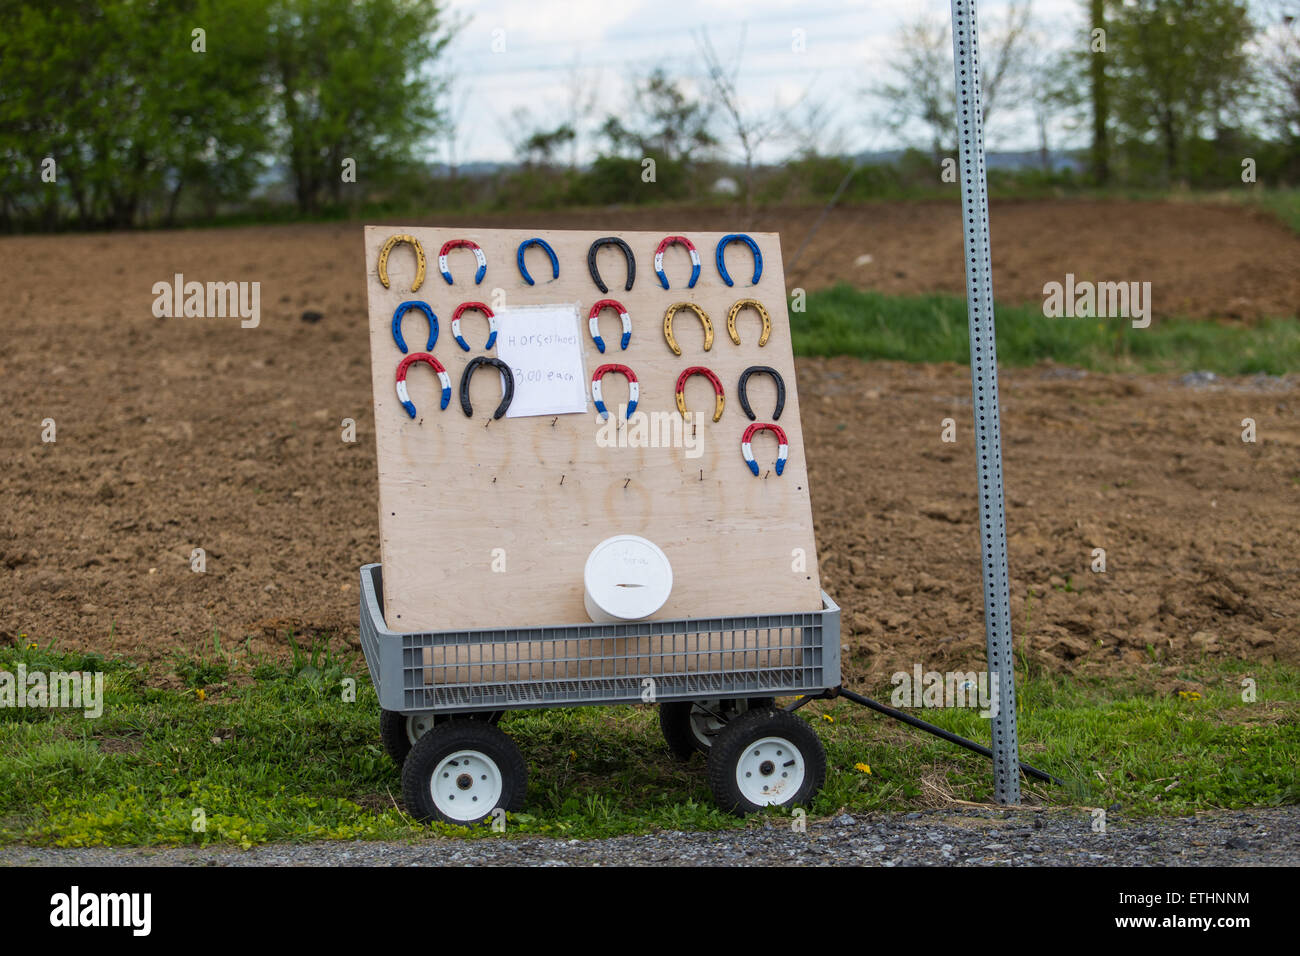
965	837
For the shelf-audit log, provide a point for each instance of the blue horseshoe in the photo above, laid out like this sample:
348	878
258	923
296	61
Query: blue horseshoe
523	268
753	247
428	313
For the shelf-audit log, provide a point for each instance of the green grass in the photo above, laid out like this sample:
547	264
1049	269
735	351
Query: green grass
1283	203
275	753
932	328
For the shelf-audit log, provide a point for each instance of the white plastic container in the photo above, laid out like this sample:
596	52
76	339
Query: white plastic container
627	578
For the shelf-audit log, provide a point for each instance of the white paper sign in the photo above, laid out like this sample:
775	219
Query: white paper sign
543	346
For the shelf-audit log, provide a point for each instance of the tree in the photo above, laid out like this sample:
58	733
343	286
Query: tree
1099	155
582	98
116	93
814	130
920	91
215	105
351	83
1055	96
539	147
558	134
1279	70
665	120
1179	73
458	99
749	127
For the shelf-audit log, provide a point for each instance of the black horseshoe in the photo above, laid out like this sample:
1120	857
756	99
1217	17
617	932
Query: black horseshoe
507	379
780	389
627	254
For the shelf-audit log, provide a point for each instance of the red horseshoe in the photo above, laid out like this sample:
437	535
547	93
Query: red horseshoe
719	400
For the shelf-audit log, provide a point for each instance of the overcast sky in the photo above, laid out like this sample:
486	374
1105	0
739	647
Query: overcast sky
603	46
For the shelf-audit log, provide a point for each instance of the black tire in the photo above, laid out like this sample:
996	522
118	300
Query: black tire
682	738
398	735
484	742
734	743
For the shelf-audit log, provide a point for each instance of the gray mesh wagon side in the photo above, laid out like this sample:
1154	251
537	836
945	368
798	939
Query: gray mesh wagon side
494	669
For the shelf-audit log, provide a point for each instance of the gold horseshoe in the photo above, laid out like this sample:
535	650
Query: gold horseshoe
419	259
704	320
718	404
762	314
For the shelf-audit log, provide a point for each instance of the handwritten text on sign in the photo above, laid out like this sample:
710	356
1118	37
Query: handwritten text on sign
543	346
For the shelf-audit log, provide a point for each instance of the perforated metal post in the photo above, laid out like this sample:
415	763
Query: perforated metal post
984	393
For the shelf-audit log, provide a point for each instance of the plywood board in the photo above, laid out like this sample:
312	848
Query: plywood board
489	523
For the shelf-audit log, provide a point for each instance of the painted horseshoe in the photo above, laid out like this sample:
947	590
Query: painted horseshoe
507	384
762	314
405	364
690	247
782	451
721	256
718	400
744	383
462	244
477	307
627	254
633	389
704	320
523	267
419	259
593	323
428	314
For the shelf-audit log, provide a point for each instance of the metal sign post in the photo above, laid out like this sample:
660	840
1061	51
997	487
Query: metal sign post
984	393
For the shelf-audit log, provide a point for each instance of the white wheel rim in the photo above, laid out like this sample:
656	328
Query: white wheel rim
417	725
466	785
704	721
770	771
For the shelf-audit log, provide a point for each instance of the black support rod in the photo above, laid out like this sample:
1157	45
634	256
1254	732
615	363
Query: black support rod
940	732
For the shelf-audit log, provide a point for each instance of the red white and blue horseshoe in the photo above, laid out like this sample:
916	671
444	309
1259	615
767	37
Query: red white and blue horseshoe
633	388
690	247
428	313
593	323
462	244
405	364
478	307
782	451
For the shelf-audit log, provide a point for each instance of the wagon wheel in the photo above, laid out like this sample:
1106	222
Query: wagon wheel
765	758
399	732
460	771
691	725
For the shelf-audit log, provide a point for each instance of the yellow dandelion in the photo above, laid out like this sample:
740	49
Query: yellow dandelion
862	767
828	718
201	694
